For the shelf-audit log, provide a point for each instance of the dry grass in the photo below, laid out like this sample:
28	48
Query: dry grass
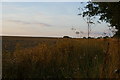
65	58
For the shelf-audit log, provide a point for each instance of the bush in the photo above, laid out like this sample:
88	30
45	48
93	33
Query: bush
66	37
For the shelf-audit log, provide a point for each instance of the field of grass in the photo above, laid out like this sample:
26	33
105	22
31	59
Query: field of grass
60	58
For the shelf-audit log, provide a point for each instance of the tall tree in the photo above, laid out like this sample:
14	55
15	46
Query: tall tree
107	11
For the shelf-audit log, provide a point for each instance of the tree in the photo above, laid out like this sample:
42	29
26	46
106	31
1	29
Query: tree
87	18
66	37
107	11
106	37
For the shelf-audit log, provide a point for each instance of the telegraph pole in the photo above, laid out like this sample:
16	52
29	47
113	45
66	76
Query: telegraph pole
88	22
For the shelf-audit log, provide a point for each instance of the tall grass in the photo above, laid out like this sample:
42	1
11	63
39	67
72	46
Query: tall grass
67	58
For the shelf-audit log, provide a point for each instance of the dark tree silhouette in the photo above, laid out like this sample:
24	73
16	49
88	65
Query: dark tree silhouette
108	12
66	37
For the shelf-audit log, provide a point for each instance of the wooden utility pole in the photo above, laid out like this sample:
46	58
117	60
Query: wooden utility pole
87	19
88	22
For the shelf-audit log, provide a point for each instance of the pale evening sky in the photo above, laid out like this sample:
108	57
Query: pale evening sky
45	19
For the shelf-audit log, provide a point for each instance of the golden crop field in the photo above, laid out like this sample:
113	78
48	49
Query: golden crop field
60	58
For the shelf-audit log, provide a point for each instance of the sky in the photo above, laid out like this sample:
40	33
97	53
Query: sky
46	19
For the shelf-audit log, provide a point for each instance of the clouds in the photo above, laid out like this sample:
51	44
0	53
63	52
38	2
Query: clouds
30	23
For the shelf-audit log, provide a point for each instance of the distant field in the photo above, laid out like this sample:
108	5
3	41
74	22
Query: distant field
27	57
9	43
